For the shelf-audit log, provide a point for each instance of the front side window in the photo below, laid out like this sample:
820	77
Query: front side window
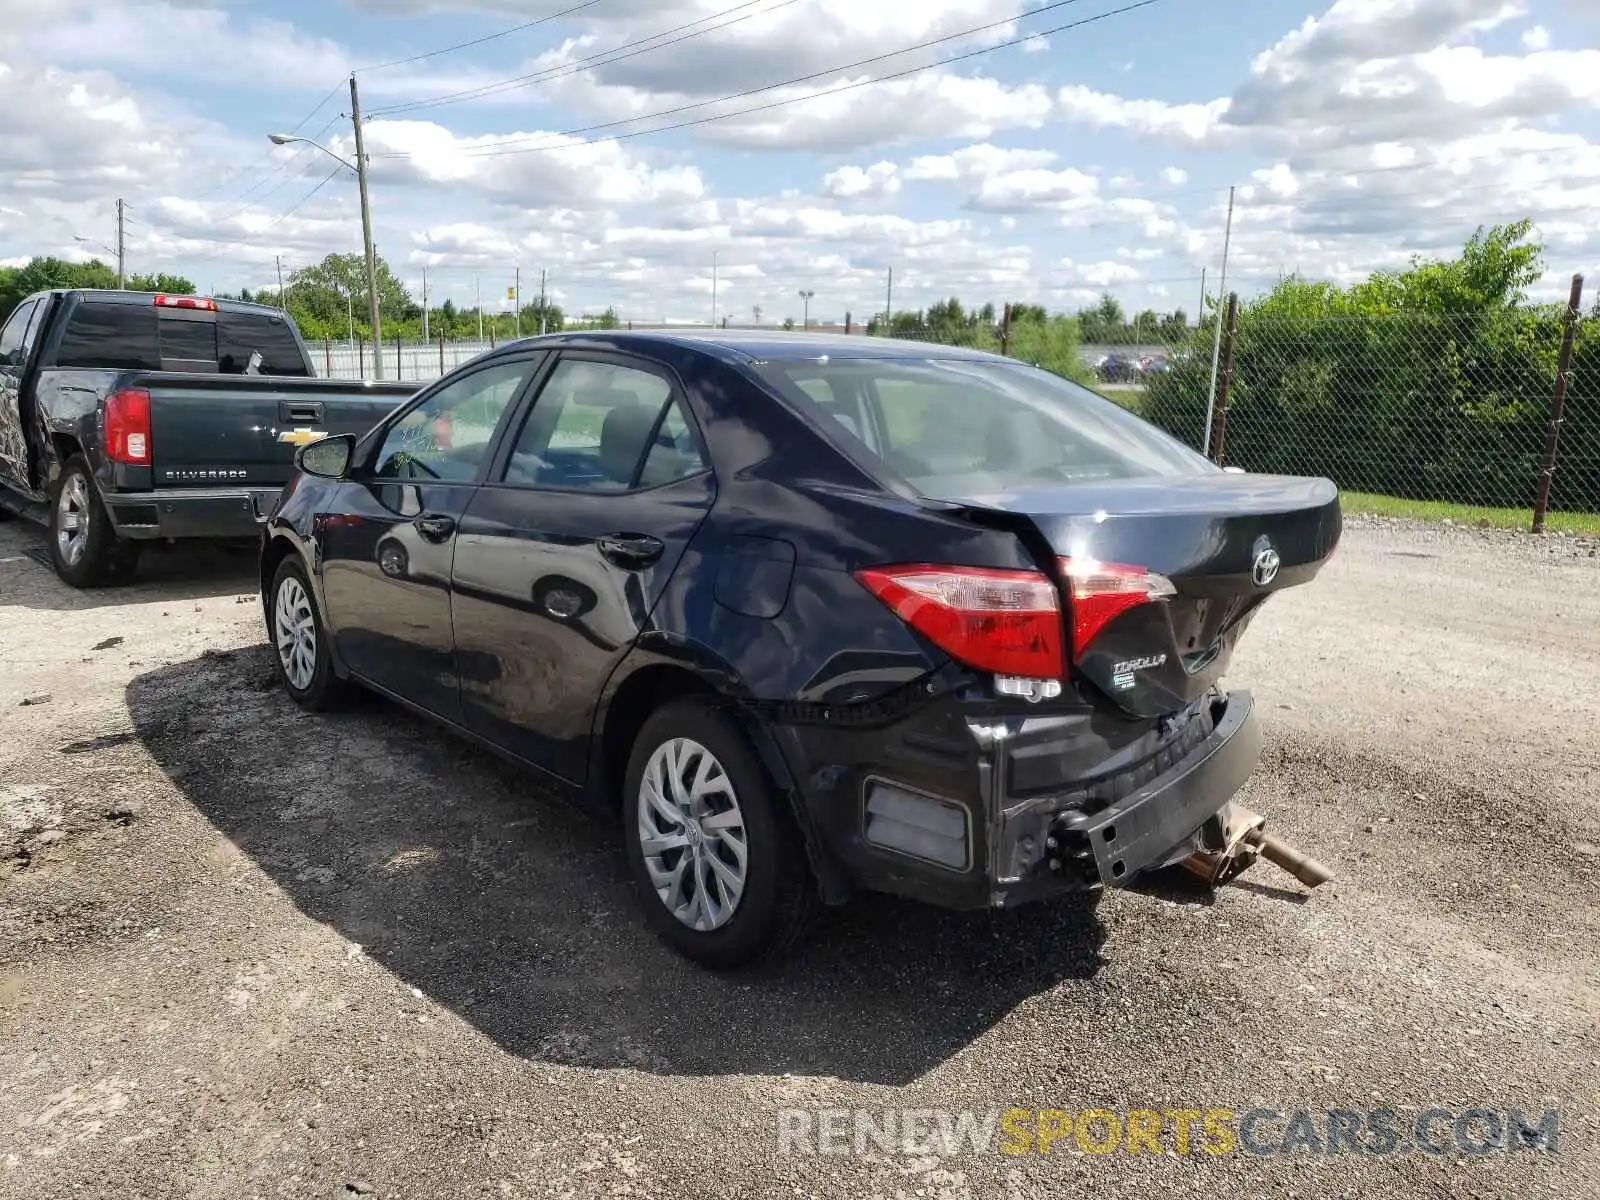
960	427
447	435
11	337
606	427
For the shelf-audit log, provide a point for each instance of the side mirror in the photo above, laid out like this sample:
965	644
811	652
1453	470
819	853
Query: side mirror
328	458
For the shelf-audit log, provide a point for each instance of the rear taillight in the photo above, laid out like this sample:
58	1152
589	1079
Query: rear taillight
1100	591
127	427
1008	622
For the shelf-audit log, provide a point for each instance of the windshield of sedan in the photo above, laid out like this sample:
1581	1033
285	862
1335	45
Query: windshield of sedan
953	427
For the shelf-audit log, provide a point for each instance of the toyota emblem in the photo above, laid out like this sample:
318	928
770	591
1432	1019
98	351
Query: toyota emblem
1264	568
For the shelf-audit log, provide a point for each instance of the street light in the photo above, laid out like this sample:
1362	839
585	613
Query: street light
360	168
805	321
93	242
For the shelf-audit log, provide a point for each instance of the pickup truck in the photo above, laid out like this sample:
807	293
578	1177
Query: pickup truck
132	416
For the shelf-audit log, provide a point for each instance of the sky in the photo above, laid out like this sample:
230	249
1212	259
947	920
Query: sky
685	158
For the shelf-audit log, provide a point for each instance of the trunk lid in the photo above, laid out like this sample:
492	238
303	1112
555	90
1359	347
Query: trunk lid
219	430
1225	542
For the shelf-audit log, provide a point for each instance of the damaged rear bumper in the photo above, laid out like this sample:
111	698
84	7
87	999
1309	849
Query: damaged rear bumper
966	807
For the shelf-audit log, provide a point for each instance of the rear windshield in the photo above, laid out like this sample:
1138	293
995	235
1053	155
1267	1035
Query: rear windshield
953	427
139	337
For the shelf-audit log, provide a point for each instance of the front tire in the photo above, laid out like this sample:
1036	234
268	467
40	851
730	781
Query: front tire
84	547
300	641
721	870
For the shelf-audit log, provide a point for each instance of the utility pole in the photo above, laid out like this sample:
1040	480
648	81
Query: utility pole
477	298
1200	313
713	289
542	327
277	258
366	230
888	306
517	301
805	298
424	303
121	262
1216	341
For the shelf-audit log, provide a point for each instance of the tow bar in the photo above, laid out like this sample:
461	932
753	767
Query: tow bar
1241	837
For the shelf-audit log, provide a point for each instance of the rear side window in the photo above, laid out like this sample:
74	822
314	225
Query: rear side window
954	427
111	335
240	334
601	426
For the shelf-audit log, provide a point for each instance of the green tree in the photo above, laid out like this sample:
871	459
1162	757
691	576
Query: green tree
322	298
172	285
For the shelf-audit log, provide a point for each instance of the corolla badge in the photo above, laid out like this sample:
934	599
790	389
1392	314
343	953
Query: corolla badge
1264	567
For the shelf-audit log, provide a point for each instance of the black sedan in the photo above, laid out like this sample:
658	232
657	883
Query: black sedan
813	614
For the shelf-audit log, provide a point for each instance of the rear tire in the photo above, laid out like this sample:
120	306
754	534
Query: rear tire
300	641
84	546
722	876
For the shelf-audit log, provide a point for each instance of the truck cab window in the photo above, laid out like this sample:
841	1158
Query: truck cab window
13	335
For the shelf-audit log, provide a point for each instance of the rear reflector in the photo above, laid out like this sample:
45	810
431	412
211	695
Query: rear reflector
1008	622
127	427
1101	591
920	826
163	300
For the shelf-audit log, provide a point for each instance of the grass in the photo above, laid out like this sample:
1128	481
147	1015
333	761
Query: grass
1467	514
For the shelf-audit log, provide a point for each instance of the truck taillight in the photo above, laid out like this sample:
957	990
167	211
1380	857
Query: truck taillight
1100	591
1008	622
127	427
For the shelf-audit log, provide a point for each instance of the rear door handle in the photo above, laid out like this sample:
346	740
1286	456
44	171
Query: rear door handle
631	551
435	527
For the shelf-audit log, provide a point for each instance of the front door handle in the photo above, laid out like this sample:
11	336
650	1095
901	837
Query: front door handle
435	527
631	551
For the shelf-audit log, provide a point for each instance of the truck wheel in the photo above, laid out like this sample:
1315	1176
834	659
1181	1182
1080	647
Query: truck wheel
84	546
296	631
721	870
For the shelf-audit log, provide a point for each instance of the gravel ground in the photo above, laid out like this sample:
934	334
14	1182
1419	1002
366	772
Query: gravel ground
250	952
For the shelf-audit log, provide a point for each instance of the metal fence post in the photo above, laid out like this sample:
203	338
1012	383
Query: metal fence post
441	354
361	358
1219	436
399	362
327	357
1005	330
1558	403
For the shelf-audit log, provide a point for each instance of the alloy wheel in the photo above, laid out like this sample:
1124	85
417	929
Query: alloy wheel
692	834
296	627
72	519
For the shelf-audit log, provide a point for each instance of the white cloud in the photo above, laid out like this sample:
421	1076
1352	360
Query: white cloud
1174	175
971	162
876	182
1036	45
1536	37
1015	191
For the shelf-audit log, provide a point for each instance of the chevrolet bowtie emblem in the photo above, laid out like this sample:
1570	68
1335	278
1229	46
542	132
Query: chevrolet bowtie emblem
302	437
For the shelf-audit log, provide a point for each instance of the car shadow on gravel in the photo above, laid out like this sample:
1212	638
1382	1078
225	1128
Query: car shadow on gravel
187	570
514	909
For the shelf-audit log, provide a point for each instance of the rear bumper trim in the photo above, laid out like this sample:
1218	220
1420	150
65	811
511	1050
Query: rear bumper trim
191	512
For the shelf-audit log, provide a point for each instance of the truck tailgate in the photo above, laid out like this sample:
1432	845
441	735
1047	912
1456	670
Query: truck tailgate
207	430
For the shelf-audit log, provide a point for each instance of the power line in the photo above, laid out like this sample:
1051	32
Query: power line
490	149
276	221
592	62
266	154
478	41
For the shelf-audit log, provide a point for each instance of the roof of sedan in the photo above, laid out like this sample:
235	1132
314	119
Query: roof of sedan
766	344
